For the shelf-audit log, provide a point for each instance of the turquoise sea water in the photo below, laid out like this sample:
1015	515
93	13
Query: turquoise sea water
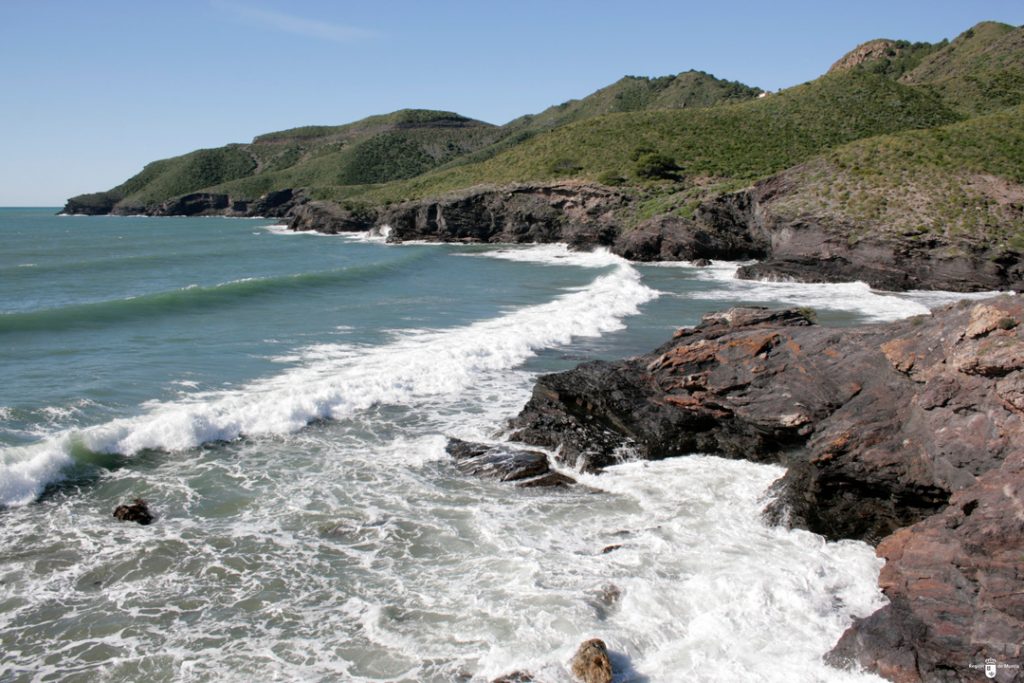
282	401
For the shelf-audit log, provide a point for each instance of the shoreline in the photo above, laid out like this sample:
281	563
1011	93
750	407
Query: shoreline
900	434
742	225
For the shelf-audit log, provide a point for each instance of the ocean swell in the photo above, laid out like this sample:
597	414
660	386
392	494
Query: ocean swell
336	381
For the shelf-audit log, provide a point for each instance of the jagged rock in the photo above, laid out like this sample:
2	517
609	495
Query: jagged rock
274	204
670	238
918	422
330	218
137	511
195	204
591	664
580	214
954	588
870	51
505	463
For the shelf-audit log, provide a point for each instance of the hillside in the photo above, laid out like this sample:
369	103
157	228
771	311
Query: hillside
981	71
636	93
736	142
964	180
372	150
901	166
385	148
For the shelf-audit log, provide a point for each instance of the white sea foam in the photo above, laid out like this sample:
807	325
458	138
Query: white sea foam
553	255
338	381
845	296
282	229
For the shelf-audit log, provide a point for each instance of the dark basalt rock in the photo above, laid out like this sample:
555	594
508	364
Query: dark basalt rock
919	422
196	204
670	238
137	511
580	214
505	463
330	218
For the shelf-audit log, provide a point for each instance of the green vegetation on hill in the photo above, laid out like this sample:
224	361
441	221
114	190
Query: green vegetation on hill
636	93
740	141
891	58
981	71
375	149
964	180
339	160
677	139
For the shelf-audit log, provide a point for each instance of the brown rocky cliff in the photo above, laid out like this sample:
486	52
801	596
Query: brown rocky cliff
910	432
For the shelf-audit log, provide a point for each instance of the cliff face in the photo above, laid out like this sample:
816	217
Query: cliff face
739	225
914	423
581	214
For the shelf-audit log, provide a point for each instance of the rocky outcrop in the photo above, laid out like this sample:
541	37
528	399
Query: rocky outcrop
911	432
137	511
330	218
274	204
505	463
880	48
738	225
580	214
811	248
954	583
671	238
591	664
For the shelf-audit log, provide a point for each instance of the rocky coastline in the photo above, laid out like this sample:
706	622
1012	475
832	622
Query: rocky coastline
906	435
734	226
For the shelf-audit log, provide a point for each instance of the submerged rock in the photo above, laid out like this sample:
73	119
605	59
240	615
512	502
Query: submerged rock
516	677
137	511
591	664
505	463
911	432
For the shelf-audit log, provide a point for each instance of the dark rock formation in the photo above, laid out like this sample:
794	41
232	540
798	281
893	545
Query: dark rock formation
137	511
954	583
735	225
330	218
911	423
94	204
670	238
591	664
821	249
580	214
196	204
505	463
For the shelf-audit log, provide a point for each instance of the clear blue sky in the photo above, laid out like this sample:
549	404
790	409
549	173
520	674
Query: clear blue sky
94	89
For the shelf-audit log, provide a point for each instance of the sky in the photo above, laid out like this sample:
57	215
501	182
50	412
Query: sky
92	90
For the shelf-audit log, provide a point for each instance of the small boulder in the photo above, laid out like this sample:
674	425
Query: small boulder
137	511
498	461
591	664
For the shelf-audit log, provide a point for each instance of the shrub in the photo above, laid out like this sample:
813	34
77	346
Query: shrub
655	166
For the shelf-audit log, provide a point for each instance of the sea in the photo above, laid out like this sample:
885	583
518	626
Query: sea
282	401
